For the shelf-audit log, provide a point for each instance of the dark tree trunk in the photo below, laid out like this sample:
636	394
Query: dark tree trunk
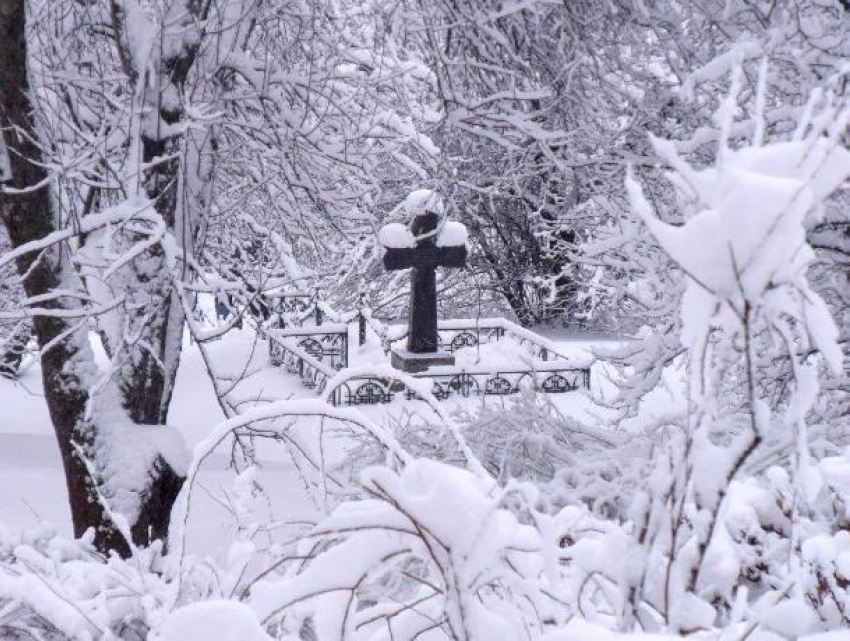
29	217
67	363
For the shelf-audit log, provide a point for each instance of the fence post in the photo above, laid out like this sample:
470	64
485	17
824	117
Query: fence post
317	311
280	303
361	320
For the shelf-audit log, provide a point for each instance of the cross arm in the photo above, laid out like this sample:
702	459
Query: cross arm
427	257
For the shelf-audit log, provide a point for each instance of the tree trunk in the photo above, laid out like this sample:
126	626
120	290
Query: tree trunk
147	381
66	359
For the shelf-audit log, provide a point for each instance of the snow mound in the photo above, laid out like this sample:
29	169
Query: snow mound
396	236
452	234
128	455
421	201
792	618
205	620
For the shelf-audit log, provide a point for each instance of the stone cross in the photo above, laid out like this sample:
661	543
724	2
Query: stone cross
424	256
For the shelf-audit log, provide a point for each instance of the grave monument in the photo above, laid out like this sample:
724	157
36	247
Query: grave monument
423	246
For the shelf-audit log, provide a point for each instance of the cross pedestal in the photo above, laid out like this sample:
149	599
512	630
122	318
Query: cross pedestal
412	363
423	257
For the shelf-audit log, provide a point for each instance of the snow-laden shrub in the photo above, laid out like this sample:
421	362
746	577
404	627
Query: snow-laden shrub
218	619
55	588
430	548
823	532
743	252
434	548
761	527
526	438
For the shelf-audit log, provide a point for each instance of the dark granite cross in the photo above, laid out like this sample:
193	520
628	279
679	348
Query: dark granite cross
424	258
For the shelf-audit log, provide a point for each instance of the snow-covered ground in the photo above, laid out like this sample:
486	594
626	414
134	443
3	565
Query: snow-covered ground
30	469
31	478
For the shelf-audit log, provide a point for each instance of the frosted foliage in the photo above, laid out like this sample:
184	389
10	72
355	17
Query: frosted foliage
744	253
745	244
442	524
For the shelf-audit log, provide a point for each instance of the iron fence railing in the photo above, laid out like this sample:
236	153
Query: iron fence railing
317	353
296	360
463	382
325	342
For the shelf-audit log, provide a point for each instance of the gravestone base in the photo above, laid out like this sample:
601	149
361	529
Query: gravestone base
413	363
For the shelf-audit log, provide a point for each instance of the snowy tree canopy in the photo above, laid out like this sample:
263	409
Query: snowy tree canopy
442	319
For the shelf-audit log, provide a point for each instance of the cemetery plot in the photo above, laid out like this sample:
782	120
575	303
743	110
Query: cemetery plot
459	358
492	357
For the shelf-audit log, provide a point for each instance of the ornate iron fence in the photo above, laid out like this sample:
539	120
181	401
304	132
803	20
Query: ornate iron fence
293	308
313	373
316	353
551	379
328	342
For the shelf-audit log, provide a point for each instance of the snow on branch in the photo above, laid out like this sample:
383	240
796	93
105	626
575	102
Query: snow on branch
744	253
138	210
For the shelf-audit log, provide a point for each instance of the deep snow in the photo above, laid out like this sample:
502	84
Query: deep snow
30	468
